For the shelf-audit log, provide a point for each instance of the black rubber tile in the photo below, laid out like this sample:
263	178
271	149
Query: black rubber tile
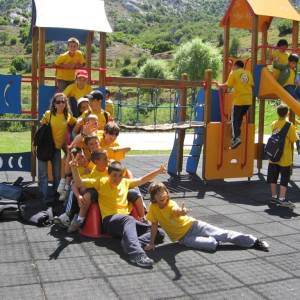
102	246
10	225
154	285
87	289
24	292
210	201
12	236
202	279
54	250
276	247
219	220
285	289
176	256
254	271
293	223
250	218
39	234
233	294
115	265
14	252
273	229
289	262
199	211
228	209
17	273
227	253
257	207
245	229
66	269
292	240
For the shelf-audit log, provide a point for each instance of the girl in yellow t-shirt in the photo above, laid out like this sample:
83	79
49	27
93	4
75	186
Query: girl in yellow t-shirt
59	118
187	230
280	56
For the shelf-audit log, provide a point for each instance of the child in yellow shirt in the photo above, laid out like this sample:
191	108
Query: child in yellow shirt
66	64
187	230
280	56
242	83
284	165
77	90
109	105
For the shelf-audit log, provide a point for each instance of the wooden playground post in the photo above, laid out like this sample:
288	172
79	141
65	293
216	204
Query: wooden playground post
102	58
182	117
89	40
41	55
262	103
207	114
254	45
226	49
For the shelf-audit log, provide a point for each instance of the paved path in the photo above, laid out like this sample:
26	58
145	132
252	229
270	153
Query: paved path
47	263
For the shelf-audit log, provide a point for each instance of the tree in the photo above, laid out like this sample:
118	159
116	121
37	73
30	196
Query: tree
161	46
284	27
156	69
234	48
194	58
3	37
19	63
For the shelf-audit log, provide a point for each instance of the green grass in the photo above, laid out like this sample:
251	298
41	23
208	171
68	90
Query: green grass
13	142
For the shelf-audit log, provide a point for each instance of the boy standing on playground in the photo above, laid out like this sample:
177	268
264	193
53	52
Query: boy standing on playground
280	56
241	81
288	74
66	64
284	165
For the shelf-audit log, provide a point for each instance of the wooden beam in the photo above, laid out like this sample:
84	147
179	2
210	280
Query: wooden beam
264	42
207	115
102	58
254	45
181	132
226	50
34	100
89	40
261	129
41	55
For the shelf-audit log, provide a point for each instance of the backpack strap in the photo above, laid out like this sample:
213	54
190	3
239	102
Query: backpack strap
106	116
285	129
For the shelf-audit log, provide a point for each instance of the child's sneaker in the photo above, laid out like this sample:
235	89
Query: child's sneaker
63	220
142	260
261	245
61	186
75	225
64	193
286	203
235	143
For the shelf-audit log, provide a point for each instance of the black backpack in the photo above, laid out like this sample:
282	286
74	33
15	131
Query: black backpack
43	140
275	144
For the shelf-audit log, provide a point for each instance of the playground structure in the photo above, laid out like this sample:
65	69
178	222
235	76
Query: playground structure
211	109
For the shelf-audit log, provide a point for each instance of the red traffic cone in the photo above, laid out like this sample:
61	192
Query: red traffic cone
92	226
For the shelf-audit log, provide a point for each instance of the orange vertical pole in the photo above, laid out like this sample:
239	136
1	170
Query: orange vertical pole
226	50
34	90
181	132
41	55
89	40
207	115
102	58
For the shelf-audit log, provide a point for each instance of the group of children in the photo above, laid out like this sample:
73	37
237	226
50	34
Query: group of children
93	172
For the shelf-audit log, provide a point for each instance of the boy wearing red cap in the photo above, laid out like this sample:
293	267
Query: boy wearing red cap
67	62
77	90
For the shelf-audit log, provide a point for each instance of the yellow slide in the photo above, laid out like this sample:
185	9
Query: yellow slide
270	88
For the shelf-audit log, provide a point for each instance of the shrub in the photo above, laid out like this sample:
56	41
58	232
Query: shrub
194	58
12	70
13	41
154	69
19	63
234	47
3	37
284	27
128	71
126	61
162	46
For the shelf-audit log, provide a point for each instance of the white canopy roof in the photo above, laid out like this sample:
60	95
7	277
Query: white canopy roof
86	15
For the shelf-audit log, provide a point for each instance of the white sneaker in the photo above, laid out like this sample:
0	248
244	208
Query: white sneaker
61	185
63	220
50	213
63	195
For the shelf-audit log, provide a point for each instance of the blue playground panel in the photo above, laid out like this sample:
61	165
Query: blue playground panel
45	95
194	156
15	162
257	77
10	94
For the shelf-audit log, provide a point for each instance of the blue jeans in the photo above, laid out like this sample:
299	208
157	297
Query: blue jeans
43	174
204	236
293	90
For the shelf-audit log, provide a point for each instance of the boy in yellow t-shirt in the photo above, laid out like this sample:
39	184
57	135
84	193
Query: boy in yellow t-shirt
109	105
67	62
280	56
242	83
77	90
187	230
115	209
284	165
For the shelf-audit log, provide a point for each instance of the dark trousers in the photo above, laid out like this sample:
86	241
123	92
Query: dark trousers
237	118
74	107
293	90
134	234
